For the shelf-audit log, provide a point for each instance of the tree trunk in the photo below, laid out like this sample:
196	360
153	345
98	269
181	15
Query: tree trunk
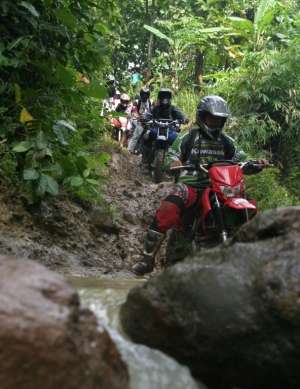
149	18
199	62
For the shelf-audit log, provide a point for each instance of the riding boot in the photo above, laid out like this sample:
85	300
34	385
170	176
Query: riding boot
152	244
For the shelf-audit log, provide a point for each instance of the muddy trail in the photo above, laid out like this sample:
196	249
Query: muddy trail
72	237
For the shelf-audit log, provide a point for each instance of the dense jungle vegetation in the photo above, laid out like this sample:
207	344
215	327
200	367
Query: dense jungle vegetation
55	56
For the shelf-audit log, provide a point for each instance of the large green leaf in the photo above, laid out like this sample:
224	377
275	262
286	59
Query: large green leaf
62	128
30	174
41	141
30	8
76	181
211	30
241	24
158	33
47	184
52	185
265	8
22	147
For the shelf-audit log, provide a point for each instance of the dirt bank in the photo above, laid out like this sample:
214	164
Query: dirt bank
72	237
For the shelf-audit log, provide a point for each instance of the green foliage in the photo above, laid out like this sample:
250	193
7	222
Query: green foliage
48	114
187	101
51	134
266	189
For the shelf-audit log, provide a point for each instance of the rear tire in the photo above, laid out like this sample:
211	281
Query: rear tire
158	172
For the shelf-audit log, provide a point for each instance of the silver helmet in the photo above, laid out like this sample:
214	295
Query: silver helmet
215	106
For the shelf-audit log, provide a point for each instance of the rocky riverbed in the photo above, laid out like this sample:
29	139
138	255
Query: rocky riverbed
232	314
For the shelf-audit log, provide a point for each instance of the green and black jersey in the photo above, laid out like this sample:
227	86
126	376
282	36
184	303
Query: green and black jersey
195	147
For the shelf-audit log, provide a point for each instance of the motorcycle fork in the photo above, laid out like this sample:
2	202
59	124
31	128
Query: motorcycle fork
196	224
220	218
195	228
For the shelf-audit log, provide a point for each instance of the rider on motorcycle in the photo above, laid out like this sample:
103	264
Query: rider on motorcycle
124	105
127	112
202	144
164	110
143	107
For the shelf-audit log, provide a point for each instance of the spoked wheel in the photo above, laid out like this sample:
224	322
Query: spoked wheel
147	158
158	165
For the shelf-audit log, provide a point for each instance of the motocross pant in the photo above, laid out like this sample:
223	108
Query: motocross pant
172	209
135	137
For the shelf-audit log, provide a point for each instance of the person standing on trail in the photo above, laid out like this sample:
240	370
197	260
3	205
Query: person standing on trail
136	77
203	144
143	108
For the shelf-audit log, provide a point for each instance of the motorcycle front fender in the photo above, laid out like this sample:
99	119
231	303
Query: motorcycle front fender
239	203
161	144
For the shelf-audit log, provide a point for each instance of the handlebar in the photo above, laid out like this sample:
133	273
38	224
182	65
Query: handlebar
161	122
205	167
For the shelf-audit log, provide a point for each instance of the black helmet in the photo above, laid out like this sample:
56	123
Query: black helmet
215	106
145	92
164	96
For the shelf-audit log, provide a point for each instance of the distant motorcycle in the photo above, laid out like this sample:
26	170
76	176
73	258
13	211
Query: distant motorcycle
121	130
221	208
156	139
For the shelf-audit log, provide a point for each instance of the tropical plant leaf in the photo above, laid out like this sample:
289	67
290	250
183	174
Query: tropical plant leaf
22	147
41	141
159	34
264	8
241	24
30	8
30	174
47	184
77	181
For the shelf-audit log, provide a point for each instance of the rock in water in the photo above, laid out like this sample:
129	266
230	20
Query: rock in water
232	314
47	340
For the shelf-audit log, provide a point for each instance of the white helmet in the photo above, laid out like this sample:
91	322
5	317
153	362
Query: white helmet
124	98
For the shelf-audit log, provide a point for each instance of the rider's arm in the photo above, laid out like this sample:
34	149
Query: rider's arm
178	115
231	152
175	151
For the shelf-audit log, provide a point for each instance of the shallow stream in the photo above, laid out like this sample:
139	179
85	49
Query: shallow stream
148	368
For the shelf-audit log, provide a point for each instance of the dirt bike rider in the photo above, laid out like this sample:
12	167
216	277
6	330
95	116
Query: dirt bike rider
116	99
163	110
124	105
143	108
126	109
108	103
202	144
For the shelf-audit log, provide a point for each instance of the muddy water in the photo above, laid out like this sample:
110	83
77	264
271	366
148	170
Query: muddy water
148	368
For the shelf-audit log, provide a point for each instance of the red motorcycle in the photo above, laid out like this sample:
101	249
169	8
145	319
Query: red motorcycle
223	205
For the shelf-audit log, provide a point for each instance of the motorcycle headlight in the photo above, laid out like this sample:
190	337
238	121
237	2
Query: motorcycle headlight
231	191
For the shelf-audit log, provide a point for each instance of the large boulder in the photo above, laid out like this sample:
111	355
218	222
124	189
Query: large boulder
47	340
232	314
